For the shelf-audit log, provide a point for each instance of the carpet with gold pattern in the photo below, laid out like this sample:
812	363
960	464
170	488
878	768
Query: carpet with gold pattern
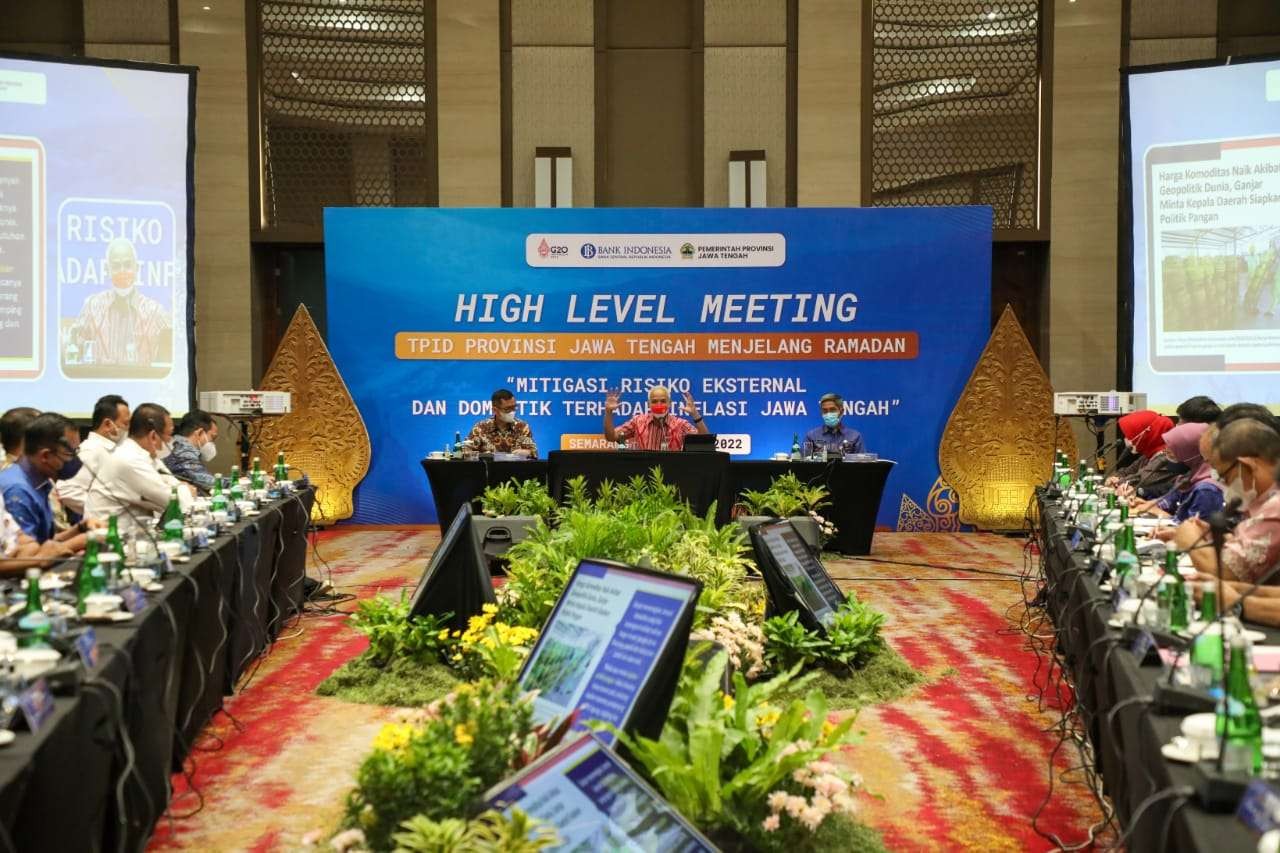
961	763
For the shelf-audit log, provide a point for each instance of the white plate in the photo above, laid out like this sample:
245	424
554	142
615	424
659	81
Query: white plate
1249	634
7	737
1184	751
121	616
154	587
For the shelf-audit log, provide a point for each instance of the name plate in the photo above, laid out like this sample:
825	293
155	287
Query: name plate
87	648
134	598
1259	808
37	704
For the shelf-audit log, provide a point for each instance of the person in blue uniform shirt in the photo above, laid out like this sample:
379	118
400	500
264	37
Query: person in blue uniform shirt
834	434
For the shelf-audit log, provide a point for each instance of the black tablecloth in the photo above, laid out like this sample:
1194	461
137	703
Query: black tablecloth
455	482
160	678
856	487
1105	674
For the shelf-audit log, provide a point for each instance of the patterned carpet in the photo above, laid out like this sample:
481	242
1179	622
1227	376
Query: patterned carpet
960	764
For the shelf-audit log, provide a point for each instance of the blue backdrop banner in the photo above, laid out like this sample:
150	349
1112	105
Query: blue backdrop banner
756	313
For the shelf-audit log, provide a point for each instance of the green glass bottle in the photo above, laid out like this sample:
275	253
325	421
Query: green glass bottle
217	500
1124	512
1178	616
171	521
235	493
84	580
282	470
1208	602
34	622
115	543
1083	473
1111	500
795	447
1238	715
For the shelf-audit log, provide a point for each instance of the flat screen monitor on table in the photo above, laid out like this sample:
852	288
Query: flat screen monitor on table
596	802
457	579
698	441
795	578
613	647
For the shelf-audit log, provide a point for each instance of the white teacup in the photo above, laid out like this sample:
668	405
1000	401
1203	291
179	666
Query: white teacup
146	550
142	577
101	603
8	643
33	663
220	517
173	549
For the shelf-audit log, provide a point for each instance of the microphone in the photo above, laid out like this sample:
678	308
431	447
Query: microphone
1228	517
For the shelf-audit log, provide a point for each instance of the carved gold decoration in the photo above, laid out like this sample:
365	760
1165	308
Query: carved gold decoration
1066	440
999	441
324	435
939	514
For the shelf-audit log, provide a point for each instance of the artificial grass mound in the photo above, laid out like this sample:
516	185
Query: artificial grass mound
886	677
409	683
404	682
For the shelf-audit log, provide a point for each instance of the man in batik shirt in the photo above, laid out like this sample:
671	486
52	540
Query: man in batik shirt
121	326
503	433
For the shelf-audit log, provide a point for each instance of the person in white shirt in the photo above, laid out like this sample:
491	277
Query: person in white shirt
110	427
133	481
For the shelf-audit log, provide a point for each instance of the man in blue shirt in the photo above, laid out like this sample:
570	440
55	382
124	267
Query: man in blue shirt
193	446
833	435
50	441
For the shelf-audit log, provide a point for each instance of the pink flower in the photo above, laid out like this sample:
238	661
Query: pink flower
778	800
846	804
821	766
830	785
771	823
796	806
812	818
801	775
822	803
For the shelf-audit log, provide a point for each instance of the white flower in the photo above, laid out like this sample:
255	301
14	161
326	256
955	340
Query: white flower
845	803
771	823
778	800
346	840
812	818
796	806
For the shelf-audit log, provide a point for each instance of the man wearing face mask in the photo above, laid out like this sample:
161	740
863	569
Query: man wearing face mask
1245	454
110	427
13	424
49	442
193	447
503	433
834	435
657	429
120	325
133	481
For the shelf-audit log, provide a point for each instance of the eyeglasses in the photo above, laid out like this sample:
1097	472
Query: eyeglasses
1225	475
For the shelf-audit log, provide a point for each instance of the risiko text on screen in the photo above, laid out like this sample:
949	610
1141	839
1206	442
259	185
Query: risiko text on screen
95	287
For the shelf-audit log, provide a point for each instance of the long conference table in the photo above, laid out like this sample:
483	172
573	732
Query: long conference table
1111	688
702	479
75	784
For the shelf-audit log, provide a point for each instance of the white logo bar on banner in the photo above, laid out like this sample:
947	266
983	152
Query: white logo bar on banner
655	250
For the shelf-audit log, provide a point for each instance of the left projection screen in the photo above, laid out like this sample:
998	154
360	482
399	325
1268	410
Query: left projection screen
95	233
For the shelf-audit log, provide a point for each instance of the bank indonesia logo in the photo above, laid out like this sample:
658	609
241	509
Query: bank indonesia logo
588	250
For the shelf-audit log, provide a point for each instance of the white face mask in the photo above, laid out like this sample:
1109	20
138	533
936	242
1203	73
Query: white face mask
166	450
208	451
507	417
1236	490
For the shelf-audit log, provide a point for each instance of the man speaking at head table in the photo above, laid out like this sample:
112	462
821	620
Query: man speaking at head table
657	429
502	433
834	435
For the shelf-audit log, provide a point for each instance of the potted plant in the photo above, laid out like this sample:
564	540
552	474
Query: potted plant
787	497
508	512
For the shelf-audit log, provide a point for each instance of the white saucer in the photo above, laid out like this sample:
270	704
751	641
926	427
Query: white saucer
7	737
1184	751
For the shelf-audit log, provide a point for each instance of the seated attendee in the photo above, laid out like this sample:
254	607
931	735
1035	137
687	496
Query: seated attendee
110	427
503	433
19	552
1198	410
1245	455
193	446
13	424
133	482
1252	411
656	429
49	442
1197	494
834	435
1154	470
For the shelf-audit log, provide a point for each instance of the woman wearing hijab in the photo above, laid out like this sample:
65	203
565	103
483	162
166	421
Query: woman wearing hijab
1154	471
1197	495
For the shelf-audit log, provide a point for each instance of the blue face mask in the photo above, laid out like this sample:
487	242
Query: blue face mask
831	418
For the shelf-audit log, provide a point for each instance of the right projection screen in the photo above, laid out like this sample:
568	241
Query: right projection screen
1204	173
